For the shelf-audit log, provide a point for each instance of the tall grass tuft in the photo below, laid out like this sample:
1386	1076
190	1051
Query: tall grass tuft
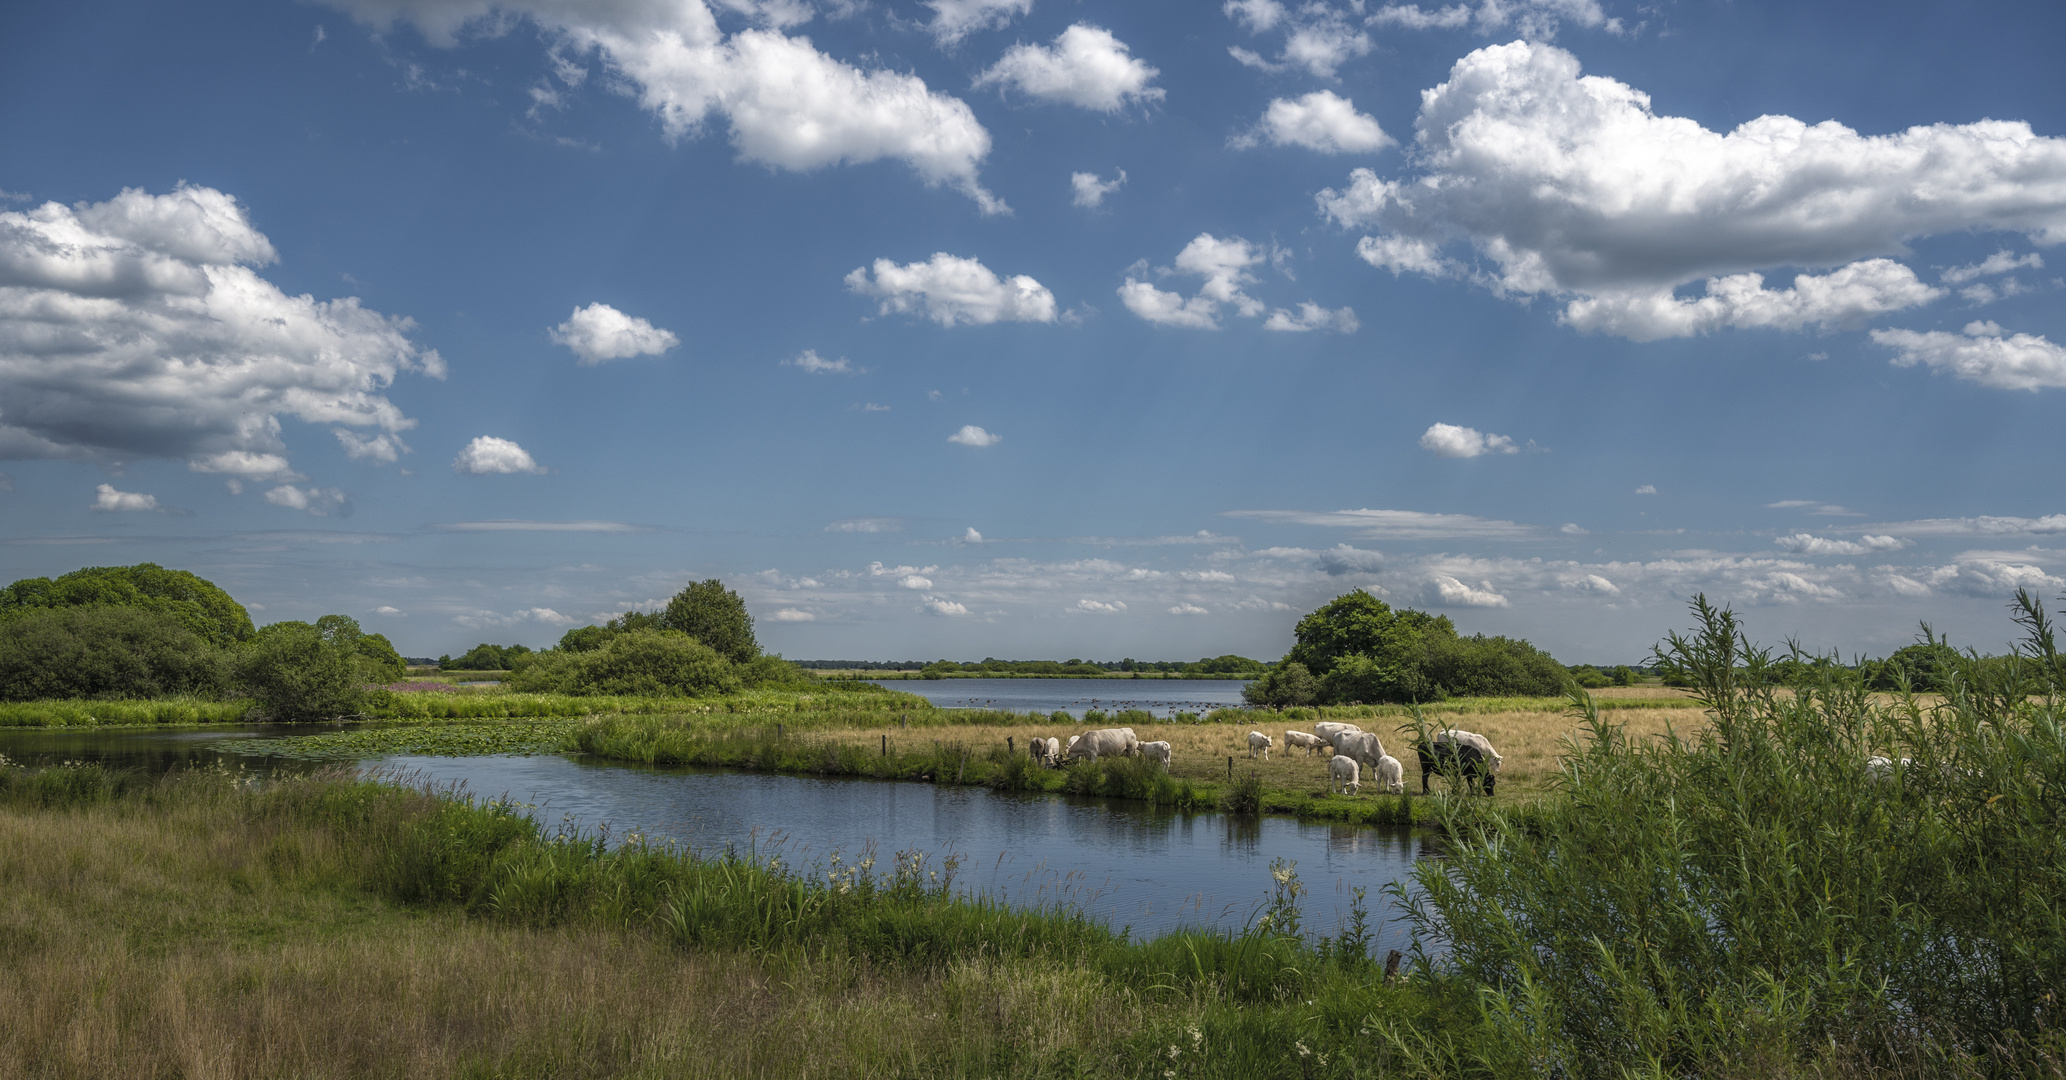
1762	892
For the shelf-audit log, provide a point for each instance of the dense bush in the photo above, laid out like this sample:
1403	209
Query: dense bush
1288	683
485	657
662	663
1745	899
1362	651
296	672
105	652
715	616
197	604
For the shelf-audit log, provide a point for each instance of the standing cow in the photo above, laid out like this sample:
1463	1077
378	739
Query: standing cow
1259	743
1471	756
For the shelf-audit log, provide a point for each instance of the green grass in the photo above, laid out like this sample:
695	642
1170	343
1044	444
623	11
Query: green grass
252	918
521	737
107	713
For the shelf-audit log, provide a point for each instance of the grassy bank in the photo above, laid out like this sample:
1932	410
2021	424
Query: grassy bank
328	928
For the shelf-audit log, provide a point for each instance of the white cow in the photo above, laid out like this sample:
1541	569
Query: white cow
1304	741
1327	730
1344	775
1156	751
1071	748
1054	751
1466	738
1114	742
1259	742
1391	774
1037	747
1362	746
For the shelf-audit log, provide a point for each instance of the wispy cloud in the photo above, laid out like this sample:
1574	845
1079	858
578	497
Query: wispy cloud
1397	524
543	526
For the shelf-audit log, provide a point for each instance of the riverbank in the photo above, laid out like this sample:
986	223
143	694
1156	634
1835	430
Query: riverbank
330	927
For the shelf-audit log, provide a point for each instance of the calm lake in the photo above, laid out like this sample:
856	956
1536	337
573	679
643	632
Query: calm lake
1076	696
1131	867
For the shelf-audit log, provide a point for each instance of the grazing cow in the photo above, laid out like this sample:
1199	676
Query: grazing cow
1391	774
1327	730
1344	775
1104	742
1259	743
1054	751
1465	758
1362	746
1467	738
1156	751
1304	741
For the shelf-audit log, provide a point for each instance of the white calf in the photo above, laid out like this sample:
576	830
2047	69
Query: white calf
1257	741
1156	751
1344	775
1391	774
1302	740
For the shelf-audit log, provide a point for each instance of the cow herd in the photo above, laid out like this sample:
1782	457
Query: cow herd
1351	750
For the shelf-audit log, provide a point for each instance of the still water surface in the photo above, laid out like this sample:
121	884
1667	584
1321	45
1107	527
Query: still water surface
1076	696
1128	866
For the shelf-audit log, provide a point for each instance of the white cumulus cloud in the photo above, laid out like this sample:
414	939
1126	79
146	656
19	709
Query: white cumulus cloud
1983	353
1090	189
1187	609
600	332
1224	264
915	582
1086	66
1317	37
137	328
2001	262
1453	593
790	614
487	454
1450	440
956	19
1311	316
1101	607
951	290
789	105
1536	20
1573	186
107	499
939	606
971	435
1321	120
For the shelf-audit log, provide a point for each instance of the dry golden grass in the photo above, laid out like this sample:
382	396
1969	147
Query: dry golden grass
1529	741
186	947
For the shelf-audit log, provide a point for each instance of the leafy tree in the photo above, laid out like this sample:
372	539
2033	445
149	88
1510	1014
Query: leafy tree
198	604
643	663
1288	683
1591	678
1480	666
1370	680
1228	664
296	672
585	639
1358	623
1623	675
715	616
486	657
105	652
1928	666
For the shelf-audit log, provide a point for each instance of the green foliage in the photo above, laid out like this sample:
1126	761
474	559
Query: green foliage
663	663
715	616
105	652
201	607
585	639
296	671
1244	796
1288	683
77	712
1926	667
1589	677
486	657
1481	666
1760	892
1359	624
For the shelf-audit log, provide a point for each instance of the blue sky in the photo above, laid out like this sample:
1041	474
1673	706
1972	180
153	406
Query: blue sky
1024	328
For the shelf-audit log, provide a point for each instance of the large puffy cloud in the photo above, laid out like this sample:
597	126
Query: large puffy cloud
1572	186
1984	354
108	500
488	455
949	289
1322	121
600	332
1086	66
137	328
789	105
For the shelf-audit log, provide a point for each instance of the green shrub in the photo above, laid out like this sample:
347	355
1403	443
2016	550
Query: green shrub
1288	683
645	663
715	616
105	652
197	604
1243	796
295	672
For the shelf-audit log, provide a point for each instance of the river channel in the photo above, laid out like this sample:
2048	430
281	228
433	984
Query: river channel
1131	867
